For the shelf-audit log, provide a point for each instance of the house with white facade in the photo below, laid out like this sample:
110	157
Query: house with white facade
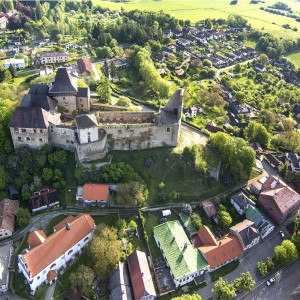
8	213
17	63
87	128
240	203
93	193
49	256
293	160
185	262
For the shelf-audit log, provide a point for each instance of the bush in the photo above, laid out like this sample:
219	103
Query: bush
262	268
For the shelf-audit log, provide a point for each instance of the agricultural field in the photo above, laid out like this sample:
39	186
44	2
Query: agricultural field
196	10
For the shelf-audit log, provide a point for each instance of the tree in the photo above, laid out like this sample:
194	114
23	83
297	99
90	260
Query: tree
196	221
104	52
105	250
58	156
270	264
207	63
104	90
131	194
113	70
83	280
132	225
240	97
264	59
244	282
237	68
3	178
223	290
124	101
286	252
262	268
224	218
106	68
121	226
12	70
23	217
256	132
181	56
47	174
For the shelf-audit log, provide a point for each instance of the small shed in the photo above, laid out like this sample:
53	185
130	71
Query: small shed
166	213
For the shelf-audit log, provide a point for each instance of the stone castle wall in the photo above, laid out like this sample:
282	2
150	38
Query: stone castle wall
67	101
125	117
62	137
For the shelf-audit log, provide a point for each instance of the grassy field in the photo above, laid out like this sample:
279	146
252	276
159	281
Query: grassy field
196	10
295	58
224	270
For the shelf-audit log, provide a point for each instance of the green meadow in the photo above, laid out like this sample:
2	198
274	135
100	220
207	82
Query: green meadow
196	10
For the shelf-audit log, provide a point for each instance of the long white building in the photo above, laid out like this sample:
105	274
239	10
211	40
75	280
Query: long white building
48	256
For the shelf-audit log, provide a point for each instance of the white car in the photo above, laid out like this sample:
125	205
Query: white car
270	281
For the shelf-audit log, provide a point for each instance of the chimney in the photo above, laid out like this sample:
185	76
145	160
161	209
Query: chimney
68	226
220	243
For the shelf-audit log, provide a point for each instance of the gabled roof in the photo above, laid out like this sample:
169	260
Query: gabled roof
8	212
182	258
84	65
43	199
140	275
29	117
86	121
218	252
83	92
272	182
187	221
44	102
95	191
247	231
241	200
209	208
39	89
64	82
62	224
36	238
53	54
41	256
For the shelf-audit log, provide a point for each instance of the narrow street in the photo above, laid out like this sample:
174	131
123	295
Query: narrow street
97	76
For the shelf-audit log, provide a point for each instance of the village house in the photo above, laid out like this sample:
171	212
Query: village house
43	199
46	70
247	234
141	278
209	209
293	160
158	57
279	202
84	66
53	57
273	161
17	63
211	127
185	262
49	256
260	68
8	213
218	252
5	259
93	193
240	202
183	42
3	22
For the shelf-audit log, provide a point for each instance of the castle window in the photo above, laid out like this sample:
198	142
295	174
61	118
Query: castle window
80	100
70	252
67	110
23	130
89	133
64	98
27	138
19	139
41	130
34	130
168	129
41	140
81	105
72	142
52	266
67	141
16	129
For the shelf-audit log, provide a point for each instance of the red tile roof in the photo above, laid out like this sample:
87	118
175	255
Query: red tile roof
36	238
218	252
95	192
51	275
62	224
41	256
272	183
84	65
209	208
140	275
8	212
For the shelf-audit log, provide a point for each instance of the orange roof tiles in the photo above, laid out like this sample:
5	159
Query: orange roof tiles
218	252
62	224
8	212
95	192
36	238
41	256
51	275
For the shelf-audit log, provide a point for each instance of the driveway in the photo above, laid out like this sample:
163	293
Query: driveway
97	76
249	262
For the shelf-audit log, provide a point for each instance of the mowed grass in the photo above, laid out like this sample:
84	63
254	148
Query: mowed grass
295	58
196	10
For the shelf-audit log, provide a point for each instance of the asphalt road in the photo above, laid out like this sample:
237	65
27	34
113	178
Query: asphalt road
286	287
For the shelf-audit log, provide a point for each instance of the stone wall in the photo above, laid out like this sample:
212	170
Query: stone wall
125	117
68	102
62	137
83	103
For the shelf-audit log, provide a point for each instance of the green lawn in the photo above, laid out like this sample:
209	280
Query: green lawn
196	10
152	221
211	156
224	270
295	58
49	227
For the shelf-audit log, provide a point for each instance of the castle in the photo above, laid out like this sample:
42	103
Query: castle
37	121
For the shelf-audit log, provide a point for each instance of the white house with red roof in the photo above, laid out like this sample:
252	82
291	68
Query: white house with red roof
47	257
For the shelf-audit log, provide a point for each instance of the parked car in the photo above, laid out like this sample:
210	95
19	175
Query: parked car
282	235
270	281
162	220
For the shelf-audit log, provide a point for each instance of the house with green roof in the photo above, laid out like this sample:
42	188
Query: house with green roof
185	261
263	224
187	222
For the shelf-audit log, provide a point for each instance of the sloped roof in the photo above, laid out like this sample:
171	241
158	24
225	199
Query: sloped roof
36	238
51	275
140	275
62	224
8	212
84	65
86	121
29	117
272	182
182	260
226	249
241	200
209	208
95	191
43	199
187	221
53	54
41	256
44	102
247	231
83	92
64	82
39	89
